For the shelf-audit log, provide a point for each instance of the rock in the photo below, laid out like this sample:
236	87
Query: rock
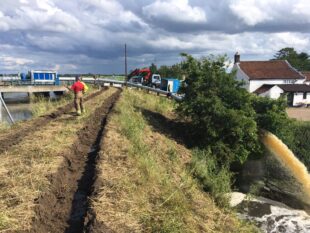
270	216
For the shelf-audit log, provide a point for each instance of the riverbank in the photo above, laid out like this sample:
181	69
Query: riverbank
36	150
144	183
136	174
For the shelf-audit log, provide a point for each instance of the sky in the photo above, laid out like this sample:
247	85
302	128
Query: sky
88	36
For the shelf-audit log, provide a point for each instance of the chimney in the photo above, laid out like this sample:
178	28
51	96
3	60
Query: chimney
237	57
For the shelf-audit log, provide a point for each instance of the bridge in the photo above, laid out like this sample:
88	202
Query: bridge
32	89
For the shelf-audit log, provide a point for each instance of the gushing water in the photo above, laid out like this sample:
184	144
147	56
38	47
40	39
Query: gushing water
288	160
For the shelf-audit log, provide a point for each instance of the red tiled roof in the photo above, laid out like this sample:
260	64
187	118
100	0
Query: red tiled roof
307	74
277	69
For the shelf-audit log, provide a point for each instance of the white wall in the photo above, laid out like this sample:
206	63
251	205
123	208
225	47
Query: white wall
241	76
273	93
255	84
298	99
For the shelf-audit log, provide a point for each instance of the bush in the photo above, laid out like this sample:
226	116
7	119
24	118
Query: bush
219	109
301	143
224	116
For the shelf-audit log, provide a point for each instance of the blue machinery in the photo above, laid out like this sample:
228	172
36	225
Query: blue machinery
41	77
44	77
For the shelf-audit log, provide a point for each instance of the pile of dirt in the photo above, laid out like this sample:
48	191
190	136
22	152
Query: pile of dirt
64	207
17	134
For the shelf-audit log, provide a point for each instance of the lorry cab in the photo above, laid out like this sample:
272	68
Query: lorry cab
156	80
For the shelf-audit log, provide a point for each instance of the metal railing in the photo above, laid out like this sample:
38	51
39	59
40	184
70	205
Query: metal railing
2	103
129	84
100	81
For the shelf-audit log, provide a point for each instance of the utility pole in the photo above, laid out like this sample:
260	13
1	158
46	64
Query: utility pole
126	64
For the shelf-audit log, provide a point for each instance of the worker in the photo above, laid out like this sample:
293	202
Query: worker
78	88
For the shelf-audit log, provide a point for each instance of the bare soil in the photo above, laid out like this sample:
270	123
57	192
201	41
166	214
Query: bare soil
301	114
17	134
64	207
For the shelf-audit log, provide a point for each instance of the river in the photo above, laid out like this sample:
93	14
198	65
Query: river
19	106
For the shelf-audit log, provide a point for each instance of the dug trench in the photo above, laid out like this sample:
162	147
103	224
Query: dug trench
16	135
64	207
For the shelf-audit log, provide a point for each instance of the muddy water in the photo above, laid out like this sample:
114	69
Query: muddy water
270	216
19	112
286	157
19	106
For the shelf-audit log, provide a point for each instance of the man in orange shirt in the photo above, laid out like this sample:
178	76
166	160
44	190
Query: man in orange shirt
78	88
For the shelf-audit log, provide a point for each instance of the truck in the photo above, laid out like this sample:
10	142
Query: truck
145	77
171	85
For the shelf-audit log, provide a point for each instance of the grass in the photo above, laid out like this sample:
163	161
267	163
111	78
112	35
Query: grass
25	167
215	180
146	183
4	126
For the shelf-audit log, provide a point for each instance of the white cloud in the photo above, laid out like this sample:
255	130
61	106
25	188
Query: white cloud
175	11
251	12
302	7
39	15
89	35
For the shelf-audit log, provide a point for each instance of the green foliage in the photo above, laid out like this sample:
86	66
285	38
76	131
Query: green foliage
299	61
271	116
301	143
153	68
219	109
215	179
226	118
174	71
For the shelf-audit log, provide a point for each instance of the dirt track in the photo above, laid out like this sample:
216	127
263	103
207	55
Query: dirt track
14	137
302	114
64	208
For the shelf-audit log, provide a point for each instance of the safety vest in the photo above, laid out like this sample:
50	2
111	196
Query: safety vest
85	87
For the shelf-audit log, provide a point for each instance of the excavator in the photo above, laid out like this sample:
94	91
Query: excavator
145	77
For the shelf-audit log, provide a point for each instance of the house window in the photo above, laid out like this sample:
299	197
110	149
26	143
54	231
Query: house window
305	95
289	81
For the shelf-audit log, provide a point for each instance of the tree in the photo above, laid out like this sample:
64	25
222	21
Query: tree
300	61
219	109
225	118
174	71
153	68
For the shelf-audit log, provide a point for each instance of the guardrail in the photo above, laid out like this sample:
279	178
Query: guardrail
129	84
103	82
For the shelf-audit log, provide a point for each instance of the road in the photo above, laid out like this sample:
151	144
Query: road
302	114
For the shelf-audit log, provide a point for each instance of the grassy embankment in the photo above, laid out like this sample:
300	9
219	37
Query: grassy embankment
25	167
145	182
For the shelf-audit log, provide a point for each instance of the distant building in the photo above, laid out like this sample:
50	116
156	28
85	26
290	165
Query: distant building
307	75
272	79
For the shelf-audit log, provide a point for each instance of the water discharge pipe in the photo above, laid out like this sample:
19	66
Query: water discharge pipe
287	158
2	103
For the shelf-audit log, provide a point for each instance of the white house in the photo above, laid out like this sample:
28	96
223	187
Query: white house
307	75
297	94
272	79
